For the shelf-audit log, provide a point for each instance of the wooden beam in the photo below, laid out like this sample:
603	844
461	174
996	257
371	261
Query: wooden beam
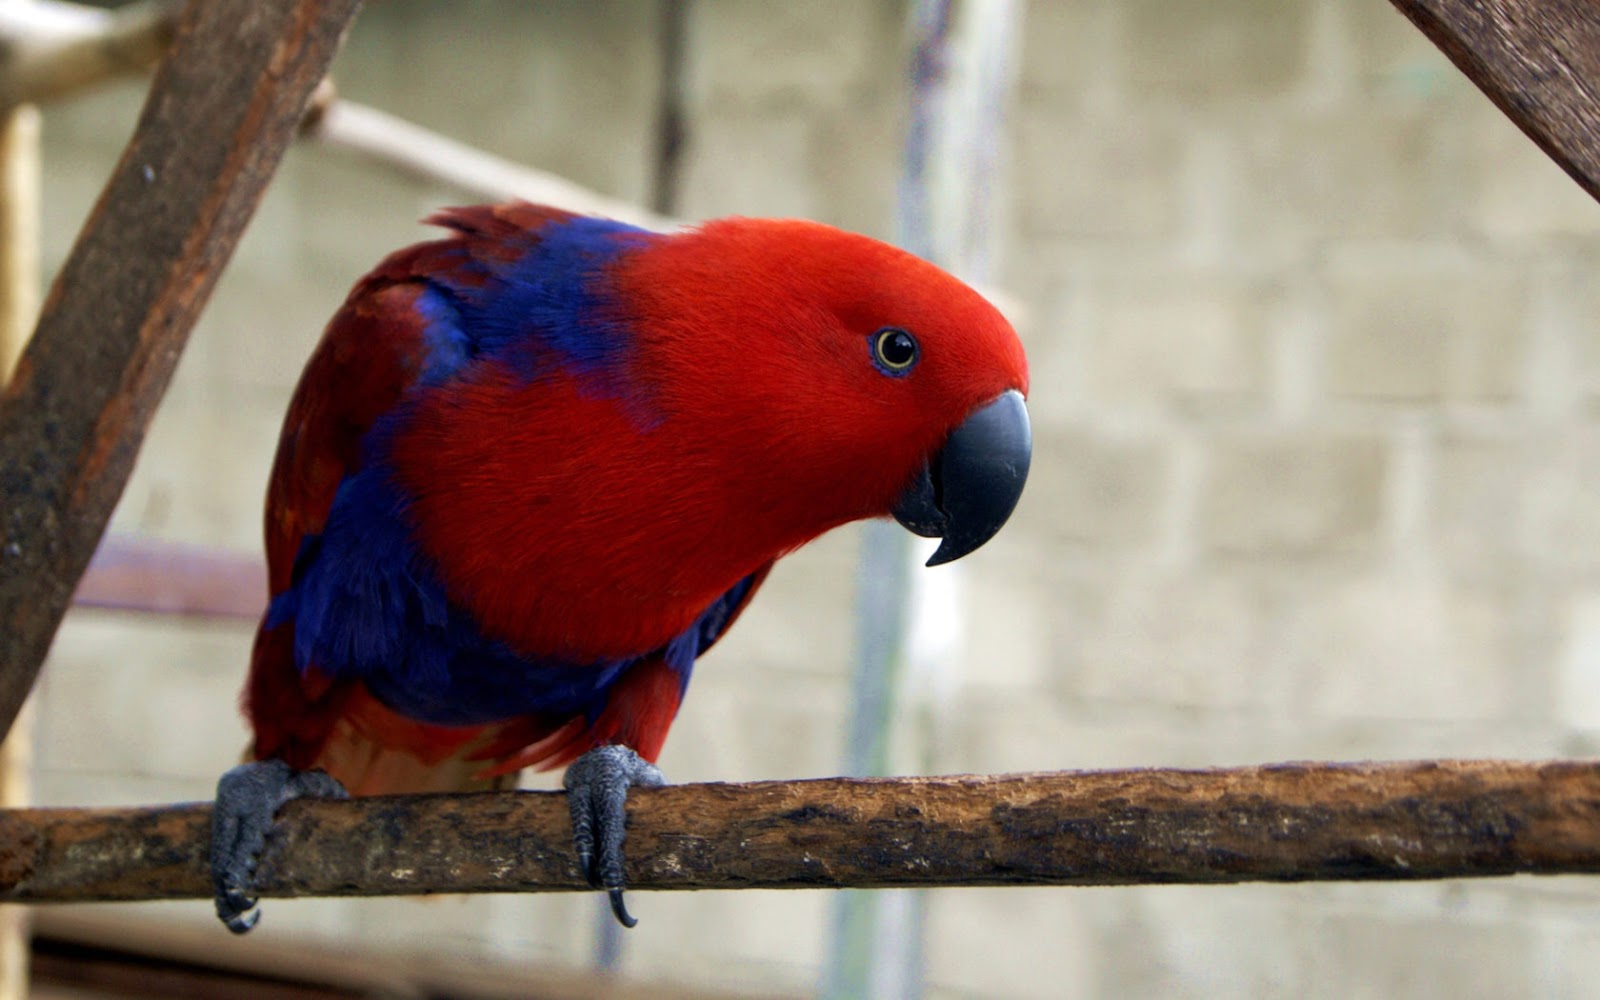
223	107
153	576
1538	60
1289	822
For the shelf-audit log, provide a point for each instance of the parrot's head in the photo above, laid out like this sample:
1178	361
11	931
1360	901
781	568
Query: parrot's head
838	378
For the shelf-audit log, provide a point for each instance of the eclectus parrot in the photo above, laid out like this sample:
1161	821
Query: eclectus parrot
537	467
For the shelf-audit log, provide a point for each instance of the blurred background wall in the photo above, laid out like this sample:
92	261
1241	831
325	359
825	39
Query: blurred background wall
1315	360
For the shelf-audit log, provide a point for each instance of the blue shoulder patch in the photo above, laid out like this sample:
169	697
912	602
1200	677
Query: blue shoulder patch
549	296
449	347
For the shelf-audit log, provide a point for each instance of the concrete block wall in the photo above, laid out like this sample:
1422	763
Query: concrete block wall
1313	338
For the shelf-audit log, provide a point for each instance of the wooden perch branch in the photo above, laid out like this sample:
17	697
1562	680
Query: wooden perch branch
1290	822
222	109
1538	60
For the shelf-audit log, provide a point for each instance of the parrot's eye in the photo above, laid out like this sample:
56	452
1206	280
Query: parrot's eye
894	351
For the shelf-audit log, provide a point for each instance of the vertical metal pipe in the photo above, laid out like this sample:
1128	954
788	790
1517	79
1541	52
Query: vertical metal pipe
960	71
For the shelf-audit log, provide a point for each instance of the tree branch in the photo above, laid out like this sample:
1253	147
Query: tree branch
1289	822
222	109
1538	60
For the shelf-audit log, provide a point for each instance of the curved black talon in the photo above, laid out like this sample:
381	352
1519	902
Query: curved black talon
248	796
597	795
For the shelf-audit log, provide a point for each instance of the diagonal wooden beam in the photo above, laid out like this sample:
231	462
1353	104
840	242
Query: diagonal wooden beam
223	107
1275	823
1539	62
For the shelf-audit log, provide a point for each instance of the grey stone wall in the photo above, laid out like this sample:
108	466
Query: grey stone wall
1315	372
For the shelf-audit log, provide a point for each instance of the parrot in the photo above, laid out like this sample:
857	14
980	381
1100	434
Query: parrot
538	466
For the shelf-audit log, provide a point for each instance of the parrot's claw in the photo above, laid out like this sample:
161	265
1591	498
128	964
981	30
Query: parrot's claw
597	794
248	797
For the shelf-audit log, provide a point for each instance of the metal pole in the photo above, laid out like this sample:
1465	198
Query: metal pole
960	78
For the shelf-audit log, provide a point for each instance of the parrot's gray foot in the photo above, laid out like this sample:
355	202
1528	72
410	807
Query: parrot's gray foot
597	793
248	797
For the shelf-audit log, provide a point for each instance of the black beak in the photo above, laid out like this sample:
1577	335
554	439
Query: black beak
969	488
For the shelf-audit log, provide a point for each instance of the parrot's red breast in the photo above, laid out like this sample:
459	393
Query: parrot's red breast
535	468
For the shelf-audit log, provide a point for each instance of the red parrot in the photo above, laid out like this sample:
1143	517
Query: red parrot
535	468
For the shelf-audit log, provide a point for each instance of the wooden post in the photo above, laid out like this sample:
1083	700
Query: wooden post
98	467
19	233
19	304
